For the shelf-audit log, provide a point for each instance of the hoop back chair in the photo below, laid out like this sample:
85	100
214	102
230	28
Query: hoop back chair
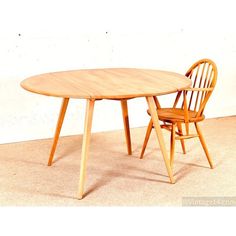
188	108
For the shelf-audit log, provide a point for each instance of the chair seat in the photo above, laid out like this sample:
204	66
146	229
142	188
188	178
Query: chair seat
173	115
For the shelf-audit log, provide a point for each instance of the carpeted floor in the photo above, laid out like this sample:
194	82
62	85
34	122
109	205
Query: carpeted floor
113	177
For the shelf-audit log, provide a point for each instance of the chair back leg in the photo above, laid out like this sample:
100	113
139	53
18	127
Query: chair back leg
181	134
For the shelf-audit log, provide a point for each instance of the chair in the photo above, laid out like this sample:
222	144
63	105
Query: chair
203	74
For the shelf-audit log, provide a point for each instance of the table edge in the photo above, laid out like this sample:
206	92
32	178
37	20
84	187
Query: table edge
111	97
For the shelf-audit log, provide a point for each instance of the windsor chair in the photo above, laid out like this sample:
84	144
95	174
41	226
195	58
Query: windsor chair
189	109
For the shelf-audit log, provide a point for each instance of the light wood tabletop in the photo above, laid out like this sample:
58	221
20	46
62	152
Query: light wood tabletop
117	83
113	83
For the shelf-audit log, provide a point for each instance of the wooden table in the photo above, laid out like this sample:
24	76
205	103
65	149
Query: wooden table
117	84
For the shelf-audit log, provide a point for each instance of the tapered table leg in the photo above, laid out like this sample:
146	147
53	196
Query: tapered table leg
58	129
155	120
85	145
126	125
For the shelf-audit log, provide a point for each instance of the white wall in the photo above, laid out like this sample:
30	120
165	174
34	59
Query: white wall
43	36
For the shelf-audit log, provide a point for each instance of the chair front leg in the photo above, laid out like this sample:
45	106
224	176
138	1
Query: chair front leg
149	130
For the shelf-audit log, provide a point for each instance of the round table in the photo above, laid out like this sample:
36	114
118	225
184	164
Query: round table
113	83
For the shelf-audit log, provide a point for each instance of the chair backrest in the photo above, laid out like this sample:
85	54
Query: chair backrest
203	74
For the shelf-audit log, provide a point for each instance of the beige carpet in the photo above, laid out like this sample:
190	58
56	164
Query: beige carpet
115	178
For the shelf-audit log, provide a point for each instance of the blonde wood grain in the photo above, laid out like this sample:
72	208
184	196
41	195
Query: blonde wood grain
125	115
116	83
152	108
85	145
64	105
